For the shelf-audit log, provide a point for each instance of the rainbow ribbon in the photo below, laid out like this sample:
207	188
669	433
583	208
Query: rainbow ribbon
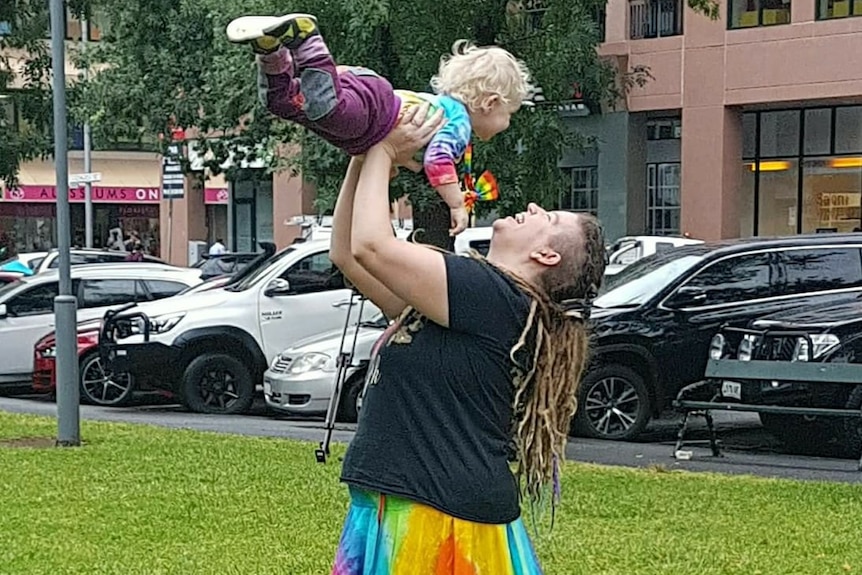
484	189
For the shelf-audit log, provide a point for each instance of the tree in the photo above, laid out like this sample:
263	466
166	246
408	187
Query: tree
165	63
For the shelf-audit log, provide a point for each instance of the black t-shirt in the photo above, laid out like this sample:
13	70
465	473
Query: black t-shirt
435	424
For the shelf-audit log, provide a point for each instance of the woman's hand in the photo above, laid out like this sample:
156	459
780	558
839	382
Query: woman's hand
413	131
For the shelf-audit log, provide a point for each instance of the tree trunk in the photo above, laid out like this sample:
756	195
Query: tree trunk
431	225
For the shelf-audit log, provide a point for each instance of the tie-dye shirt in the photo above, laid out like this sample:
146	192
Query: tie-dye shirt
446	148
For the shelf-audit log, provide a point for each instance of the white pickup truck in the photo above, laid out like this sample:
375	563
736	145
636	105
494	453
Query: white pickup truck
211	348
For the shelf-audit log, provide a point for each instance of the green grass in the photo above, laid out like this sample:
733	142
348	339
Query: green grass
139	499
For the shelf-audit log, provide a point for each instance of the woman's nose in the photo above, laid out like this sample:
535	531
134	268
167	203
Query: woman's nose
533	208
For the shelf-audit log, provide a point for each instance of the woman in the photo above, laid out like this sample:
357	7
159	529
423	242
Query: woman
480	368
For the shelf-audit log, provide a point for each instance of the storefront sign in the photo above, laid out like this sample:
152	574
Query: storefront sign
100	194
216	196
173	179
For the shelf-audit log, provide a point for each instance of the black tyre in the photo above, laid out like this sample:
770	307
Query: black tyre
348	411
101	388
613	403
217	383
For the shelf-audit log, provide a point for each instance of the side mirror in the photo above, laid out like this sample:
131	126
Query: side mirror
4	313
277	287
688	296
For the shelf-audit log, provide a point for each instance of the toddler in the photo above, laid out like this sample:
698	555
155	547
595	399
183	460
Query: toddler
353	108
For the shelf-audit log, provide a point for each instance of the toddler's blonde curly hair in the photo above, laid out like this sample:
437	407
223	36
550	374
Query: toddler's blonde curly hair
472	73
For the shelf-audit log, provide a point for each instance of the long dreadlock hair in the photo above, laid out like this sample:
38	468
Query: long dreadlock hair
555	341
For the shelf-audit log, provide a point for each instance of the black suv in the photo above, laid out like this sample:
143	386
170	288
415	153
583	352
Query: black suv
654	321
827	333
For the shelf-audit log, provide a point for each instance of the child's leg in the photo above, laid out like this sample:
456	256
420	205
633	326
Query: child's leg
346	111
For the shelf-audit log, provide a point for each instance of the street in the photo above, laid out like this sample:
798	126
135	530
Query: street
748	449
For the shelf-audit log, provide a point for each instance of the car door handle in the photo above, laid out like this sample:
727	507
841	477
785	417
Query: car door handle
345	302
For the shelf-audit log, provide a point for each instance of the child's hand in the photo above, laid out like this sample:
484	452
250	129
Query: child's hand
459	220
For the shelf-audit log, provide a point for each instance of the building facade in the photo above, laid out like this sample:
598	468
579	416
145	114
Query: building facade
750	125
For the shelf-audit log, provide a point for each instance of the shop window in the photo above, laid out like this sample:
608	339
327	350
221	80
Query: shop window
848	130
583	193
779	133
777	197
828	9
663	202
753	13
749	135
830	195
818	132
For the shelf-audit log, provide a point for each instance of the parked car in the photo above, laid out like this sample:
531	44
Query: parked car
27	306
827	333
654	321
23	264
629	249
98	387
43	261
211	348
301	379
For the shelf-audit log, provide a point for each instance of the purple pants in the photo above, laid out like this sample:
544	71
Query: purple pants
351	108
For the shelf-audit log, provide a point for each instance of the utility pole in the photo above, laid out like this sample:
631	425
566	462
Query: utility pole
65	304
88	166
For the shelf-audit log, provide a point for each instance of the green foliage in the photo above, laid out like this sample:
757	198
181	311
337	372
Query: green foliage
166	63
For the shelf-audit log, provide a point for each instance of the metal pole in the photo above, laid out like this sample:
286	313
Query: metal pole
88	164
65	304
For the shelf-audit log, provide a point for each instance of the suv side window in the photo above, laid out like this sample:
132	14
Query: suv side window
34	301
314	273
736	279
102	293
820	269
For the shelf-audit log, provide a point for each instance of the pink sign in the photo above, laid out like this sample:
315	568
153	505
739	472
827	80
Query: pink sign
100	194
216	196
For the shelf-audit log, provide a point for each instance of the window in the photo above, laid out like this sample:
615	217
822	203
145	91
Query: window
74	28
5	28
822	269
779	134
160	289
83	259
102	293
827	9
666	129
36	300
8	113
848	129
663	205
654	18
752	13
583	195
314	273
737	279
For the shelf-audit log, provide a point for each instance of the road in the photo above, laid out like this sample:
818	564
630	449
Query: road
747	448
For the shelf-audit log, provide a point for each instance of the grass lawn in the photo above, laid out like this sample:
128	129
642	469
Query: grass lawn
144	500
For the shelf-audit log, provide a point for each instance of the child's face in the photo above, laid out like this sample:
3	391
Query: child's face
491	118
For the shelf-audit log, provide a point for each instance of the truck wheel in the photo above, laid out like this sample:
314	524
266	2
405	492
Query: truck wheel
347	409
613	403
101	388
217	383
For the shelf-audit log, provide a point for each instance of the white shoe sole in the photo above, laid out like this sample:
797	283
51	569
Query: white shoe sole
250	28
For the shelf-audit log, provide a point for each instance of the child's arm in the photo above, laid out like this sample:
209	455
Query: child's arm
441	156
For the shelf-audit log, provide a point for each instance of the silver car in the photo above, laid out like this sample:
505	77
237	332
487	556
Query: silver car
301	379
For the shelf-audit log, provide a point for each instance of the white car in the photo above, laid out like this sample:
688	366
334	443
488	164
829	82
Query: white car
629	249
301	379
27	306
211	348
40	262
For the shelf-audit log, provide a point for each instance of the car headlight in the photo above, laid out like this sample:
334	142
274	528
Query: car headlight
822	342
311	362
746	346
716	347
158	324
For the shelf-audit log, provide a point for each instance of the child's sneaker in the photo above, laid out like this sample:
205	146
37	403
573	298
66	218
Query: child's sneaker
267	33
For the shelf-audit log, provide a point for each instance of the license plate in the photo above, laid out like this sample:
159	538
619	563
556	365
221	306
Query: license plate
267	388
731	389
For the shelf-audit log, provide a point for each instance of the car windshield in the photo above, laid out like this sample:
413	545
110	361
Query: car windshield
259	272
642	280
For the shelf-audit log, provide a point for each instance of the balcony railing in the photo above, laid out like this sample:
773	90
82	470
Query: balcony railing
654	18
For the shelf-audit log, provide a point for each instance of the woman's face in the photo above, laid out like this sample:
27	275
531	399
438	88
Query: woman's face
532	230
